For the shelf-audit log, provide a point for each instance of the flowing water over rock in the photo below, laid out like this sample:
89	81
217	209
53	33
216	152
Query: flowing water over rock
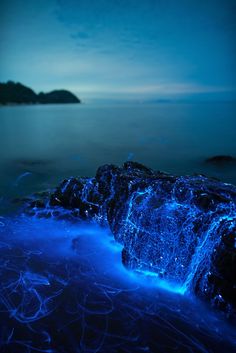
63	289
181	229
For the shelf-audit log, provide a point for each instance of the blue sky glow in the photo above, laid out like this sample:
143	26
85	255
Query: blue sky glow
150	49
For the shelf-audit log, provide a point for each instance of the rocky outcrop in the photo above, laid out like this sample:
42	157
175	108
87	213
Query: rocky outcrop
16	93
183	229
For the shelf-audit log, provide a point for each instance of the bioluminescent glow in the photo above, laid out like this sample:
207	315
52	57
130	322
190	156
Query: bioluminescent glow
178	230
161	236
23	175
63	288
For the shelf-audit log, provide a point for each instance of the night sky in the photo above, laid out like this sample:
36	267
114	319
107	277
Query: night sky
125	49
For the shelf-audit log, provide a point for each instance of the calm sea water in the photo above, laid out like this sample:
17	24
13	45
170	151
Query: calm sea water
40	145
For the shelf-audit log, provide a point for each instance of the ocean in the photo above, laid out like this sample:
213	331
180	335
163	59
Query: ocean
42	144
63	287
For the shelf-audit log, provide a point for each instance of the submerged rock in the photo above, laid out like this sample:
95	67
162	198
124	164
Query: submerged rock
221	160
183	229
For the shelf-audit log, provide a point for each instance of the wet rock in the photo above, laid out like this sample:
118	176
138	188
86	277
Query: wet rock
181	228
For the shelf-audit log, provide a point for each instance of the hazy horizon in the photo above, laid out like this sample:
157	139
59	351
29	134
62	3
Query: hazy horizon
121	50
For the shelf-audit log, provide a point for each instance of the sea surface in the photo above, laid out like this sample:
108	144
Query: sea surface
63	288
52	142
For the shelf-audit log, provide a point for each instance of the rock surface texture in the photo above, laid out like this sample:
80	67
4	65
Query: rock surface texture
183	229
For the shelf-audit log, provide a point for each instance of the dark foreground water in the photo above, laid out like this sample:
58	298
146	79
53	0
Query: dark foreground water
63	287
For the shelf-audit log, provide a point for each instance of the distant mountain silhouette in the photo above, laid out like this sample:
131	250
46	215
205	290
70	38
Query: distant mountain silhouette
16	93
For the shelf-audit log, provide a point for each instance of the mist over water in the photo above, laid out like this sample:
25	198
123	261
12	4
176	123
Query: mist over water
41	145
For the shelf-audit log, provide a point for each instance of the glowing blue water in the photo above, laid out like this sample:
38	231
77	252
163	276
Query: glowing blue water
159	234
63	288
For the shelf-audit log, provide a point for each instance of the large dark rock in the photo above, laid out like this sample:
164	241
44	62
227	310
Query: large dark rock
183	229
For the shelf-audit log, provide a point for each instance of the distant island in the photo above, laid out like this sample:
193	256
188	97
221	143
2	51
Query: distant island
16	93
